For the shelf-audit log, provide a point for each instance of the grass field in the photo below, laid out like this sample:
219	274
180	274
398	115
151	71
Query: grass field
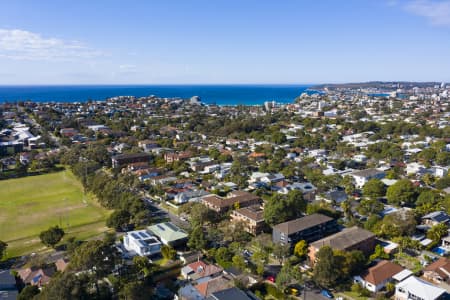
31	204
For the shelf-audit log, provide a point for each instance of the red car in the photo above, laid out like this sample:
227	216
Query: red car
270	278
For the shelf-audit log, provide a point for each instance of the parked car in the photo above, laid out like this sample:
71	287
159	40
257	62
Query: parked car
327	294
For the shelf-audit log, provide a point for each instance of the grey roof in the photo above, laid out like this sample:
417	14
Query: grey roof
229	294
367	173
437	216
302	223
344	239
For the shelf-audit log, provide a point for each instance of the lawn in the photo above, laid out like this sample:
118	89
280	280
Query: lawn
31	204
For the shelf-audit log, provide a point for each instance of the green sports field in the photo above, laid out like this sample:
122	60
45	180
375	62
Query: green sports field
31	204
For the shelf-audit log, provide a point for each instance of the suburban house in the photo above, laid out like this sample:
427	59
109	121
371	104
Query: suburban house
335	196
169	234
237	199
438	271
171	157
251	216
308	190
418	289
230	294
61	264
200	269
214	285
192	195
309	228
36	276
148	145
436	217
142	243
363	176
349	239
124	159
375	278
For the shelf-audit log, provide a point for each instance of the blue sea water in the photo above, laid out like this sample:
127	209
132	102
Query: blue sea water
210	94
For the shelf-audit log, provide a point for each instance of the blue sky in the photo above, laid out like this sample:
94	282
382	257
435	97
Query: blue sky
223	41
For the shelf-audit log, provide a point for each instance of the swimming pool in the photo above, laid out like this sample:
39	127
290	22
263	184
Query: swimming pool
439	250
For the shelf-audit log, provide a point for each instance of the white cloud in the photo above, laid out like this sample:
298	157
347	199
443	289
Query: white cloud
25	45
437	12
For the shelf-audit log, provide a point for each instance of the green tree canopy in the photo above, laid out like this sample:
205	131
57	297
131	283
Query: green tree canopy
118	219
301	249
327	269
197	238
51	236
282	208
3	247
28	292
374	189
402	192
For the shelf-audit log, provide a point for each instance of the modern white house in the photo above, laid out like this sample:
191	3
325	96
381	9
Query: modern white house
417	289
363	176
142	243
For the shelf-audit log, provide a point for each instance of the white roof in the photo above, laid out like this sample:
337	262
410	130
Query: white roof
421	288
426	242
400	276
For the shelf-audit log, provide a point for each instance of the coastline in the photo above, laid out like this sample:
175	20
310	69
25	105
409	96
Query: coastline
222	95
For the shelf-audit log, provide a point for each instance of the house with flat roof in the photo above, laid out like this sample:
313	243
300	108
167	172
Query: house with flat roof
349	239
417	289
309	228
169	234
142	243
361	177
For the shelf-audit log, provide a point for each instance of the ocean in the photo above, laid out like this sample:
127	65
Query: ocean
209	94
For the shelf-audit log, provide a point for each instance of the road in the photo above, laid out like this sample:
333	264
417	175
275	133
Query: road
159	211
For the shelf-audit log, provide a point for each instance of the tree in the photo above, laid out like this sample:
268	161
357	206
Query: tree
443	183
287	274
281	252
197	238
282	208
28	292
223	257
168	252
397	224
135	290
118	219
326	270
143	266
3	247
379	253
374	189
66	286
348	184
370	206
402	192
437	232
239	262
95	256
301	249
52	236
